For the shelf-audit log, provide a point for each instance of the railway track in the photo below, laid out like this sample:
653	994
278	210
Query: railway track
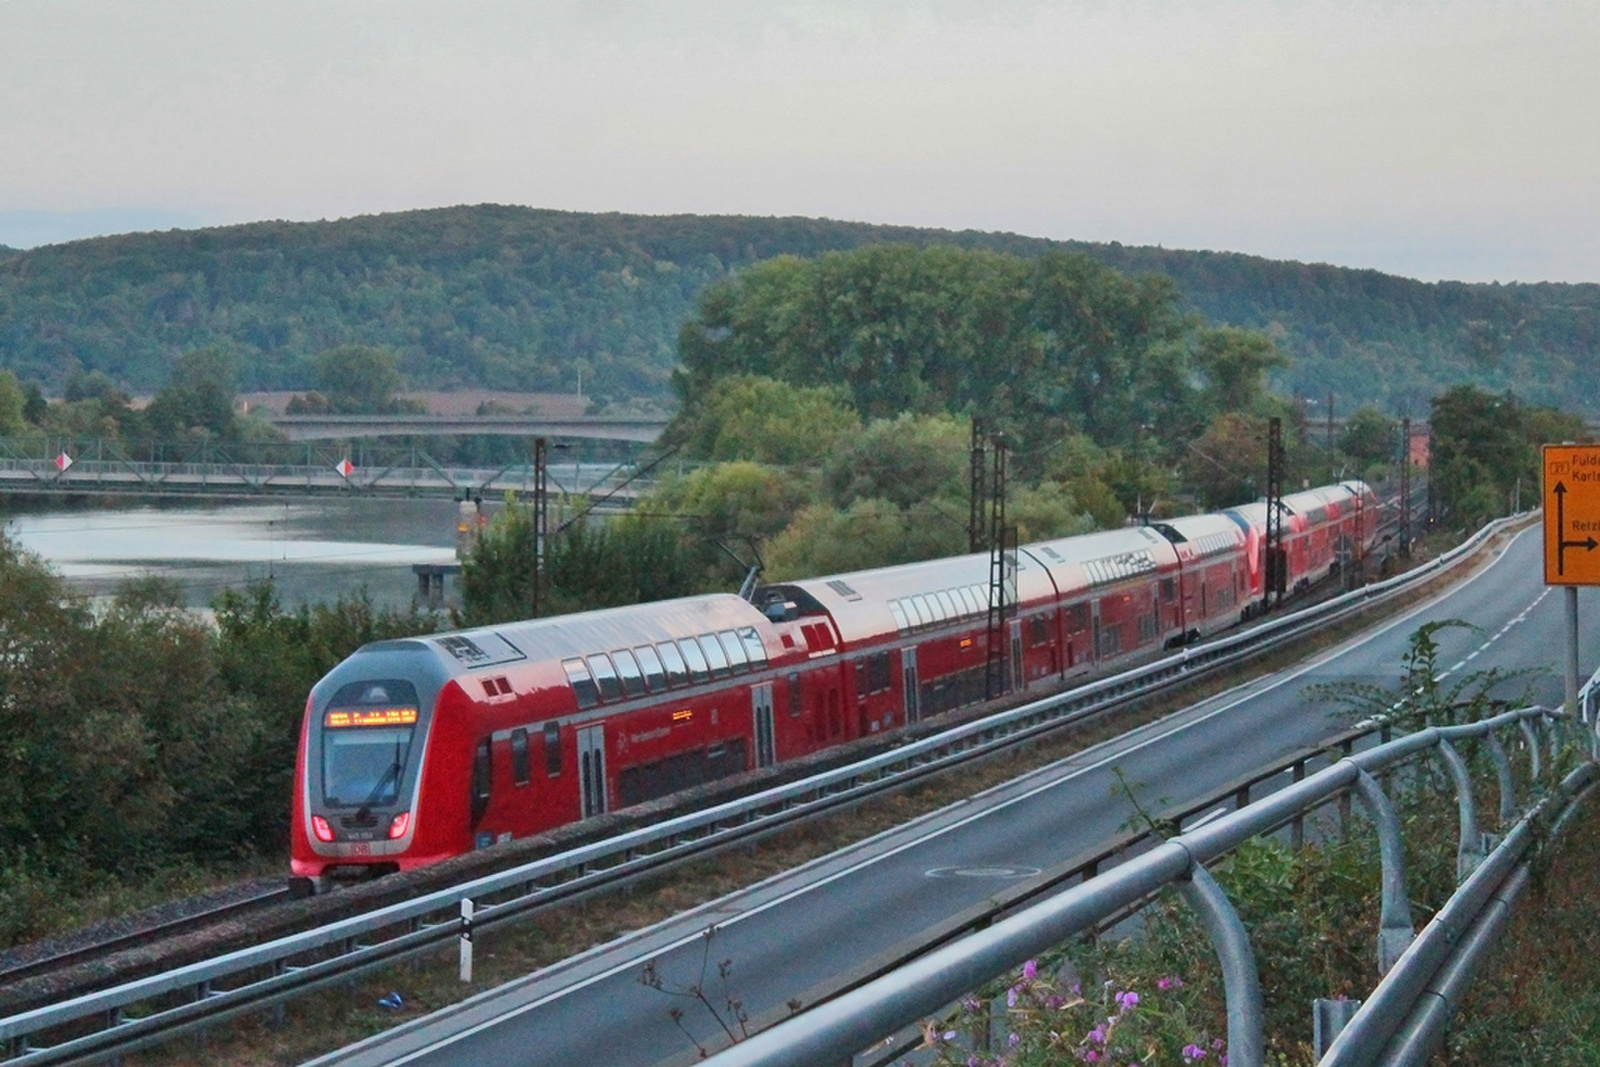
40	963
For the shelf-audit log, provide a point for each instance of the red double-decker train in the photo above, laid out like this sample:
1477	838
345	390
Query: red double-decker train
415	750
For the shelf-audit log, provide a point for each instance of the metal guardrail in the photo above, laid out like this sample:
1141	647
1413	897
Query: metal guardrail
285	967
835	1031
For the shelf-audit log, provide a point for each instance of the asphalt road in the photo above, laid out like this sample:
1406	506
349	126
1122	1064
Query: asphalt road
798	929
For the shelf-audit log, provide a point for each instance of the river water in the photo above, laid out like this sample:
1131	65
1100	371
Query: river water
312	550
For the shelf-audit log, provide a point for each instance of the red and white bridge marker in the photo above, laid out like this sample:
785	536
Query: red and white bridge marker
344	467
63	461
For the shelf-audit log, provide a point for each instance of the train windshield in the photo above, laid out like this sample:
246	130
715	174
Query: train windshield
366	739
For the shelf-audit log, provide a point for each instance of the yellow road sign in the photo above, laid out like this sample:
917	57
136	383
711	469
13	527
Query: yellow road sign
1572	514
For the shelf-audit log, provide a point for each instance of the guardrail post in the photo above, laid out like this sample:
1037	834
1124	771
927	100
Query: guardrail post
1297	828
466	939
1241	981
1395	932
1469	851
1328	1017
1531	737
1502	773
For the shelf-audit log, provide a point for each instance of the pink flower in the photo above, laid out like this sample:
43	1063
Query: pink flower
1127	1001
1193	1053
1169	983
1030	970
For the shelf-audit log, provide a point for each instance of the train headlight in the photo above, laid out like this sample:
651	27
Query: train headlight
320	827
398	825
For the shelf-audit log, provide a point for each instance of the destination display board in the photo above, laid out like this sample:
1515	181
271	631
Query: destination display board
1572	514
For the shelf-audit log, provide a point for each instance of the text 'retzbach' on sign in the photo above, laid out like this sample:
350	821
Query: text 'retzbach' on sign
1572	514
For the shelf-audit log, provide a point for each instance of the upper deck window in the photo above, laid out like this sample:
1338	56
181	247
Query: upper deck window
717	658
754	650
699	669
654	675
605	675
628	670
582	682
677	670
735	650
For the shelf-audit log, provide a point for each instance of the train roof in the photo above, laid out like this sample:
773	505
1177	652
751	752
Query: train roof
1096	559
601	630
860	601
1197	536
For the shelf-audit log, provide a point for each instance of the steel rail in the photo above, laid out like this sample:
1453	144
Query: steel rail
634	852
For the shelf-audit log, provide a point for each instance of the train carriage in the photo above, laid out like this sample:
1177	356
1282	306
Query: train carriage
419	749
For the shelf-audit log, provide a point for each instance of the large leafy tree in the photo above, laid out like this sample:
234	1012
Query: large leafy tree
199	399
1057	344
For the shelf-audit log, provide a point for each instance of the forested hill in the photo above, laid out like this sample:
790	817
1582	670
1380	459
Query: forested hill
517	298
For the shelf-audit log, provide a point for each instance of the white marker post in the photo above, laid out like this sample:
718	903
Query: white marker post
466	940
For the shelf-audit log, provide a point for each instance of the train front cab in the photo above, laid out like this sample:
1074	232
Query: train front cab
360	766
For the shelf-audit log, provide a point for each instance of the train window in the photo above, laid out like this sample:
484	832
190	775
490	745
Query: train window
628	668
582	682
899	614
699	670
677	670
735	650
521	764
794	696
552	749
482	779
1038	632
947	605
754	650
1169	589
714	655
861	678
654	676
605	676
878	670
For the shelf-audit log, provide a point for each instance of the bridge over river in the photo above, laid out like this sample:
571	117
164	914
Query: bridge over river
53	467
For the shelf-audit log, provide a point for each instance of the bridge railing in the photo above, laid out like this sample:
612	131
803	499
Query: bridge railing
60	465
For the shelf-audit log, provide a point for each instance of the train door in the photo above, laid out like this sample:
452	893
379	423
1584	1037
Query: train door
1019	677
1094	613
908	676
592	769
761	709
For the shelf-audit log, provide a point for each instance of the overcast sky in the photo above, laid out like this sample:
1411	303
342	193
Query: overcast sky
1434	139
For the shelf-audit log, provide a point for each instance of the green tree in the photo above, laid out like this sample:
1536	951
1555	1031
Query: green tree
909	460
1485	447
733	504
1235	364
199	400
762	420
359	379
1370	438
13	405
869	533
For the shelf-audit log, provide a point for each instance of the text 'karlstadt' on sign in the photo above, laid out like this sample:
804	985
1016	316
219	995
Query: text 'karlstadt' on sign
1572	514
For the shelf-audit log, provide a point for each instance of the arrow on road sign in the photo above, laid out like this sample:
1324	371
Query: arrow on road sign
1589	544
